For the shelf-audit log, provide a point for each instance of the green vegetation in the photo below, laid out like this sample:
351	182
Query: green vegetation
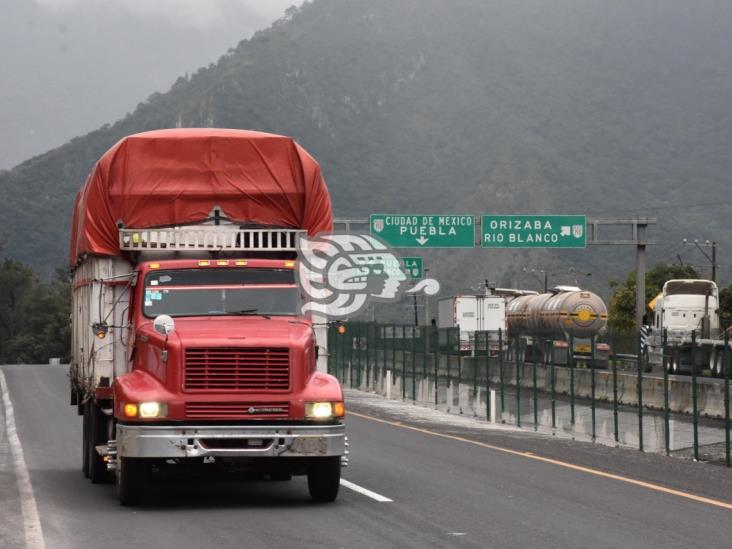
458	107
34	315
622	305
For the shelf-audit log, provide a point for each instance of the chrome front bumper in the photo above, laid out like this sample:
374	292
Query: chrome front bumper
164	441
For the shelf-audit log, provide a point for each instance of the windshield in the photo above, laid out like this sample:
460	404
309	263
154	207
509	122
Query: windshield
217	292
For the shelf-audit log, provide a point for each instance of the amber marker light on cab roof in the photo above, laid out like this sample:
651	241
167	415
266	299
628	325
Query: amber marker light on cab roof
204	263
154	265
289	263
222	262
241	262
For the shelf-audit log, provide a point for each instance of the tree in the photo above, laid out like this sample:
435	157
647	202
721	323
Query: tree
622	305
725	305
34	315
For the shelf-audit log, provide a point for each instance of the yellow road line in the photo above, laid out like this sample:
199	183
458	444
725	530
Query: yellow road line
567	465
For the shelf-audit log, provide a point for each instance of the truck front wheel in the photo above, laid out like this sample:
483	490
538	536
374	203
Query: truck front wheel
324	478
132	476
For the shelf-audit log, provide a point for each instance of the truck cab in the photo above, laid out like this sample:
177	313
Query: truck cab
222	369
683	308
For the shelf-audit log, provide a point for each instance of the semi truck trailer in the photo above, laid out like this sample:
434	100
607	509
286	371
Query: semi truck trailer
189	348
563	315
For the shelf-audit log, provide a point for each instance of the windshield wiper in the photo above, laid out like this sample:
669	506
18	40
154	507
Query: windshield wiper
249	312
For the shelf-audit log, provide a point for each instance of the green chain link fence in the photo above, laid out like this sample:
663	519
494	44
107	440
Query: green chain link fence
539	384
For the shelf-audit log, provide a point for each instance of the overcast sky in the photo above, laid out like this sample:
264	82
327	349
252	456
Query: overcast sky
69	66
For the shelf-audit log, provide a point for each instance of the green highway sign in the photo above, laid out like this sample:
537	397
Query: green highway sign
424	231
534	231
413	267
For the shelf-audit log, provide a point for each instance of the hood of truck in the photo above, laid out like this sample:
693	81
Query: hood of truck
241	331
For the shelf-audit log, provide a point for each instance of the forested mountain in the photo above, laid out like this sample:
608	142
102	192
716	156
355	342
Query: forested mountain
463	106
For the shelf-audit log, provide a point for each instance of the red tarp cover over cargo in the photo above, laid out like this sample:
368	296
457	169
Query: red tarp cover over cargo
172	177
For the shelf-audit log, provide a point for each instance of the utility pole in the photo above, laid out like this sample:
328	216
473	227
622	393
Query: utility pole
426	303
712	259
640	274
414	301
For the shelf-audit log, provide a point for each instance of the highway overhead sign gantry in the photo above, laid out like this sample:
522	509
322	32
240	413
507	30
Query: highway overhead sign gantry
534	231
424	231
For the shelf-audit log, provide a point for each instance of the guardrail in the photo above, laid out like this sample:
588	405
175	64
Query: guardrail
622	403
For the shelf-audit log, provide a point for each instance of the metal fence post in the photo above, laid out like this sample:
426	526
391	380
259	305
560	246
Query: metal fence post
459	359
639	385
615	401
592	385
666	422
404	362
518	362
500	370
424	335
393	354
351	343
448	349
487	379
436	358
554	384
536	394
695	407
414	362
726	365
368	354
570	360
475	366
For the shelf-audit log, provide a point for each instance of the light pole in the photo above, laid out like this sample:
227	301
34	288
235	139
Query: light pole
535	273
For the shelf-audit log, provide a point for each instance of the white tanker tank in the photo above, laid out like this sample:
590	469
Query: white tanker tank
564	312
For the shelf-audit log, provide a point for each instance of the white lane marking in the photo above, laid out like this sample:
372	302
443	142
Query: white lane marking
365	491
31	522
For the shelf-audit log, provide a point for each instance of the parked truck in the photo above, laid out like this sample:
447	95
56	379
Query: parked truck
682	307
472	313
189	350
563	316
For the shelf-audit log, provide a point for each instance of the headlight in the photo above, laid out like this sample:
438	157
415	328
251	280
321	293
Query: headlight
324	410
146	409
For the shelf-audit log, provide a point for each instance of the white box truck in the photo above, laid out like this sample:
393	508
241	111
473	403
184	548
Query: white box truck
472	313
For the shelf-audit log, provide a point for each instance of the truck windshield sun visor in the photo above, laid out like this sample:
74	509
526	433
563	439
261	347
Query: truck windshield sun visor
197	292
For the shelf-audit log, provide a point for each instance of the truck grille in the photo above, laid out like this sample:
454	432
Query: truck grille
237	369
236	410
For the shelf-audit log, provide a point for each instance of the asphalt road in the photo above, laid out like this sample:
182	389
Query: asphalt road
446	492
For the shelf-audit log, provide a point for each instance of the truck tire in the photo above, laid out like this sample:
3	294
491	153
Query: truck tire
324	478
132	476
85	445
98	473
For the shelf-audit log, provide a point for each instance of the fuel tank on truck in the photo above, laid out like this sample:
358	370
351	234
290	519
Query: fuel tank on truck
560	313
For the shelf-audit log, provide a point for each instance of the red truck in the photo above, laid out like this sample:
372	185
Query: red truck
189	349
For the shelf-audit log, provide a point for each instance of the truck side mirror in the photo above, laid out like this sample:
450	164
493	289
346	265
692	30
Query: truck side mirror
164	324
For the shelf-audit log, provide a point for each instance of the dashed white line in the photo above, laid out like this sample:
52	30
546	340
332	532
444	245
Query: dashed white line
31	522
365	491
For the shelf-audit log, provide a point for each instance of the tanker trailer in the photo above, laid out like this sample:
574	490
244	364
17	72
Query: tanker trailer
565	314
